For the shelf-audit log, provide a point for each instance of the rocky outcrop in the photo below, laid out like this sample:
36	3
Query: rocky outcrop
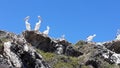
113	46
70	51
47	44
38	40
17	53
26	51
17	57
99	56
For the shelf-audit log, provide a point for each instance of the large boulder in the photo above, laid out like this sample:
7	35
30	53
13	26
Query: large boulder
47	44
38	40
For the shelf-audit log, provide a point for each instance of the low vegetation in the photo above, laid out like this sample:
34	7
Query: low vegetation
60	61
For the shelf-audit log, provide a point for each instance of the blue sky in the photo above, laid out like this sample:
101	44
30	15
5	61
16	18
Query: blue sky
77	19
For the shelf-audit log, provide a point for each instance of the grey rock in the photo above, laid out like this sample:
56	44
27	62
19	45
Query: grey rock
17	53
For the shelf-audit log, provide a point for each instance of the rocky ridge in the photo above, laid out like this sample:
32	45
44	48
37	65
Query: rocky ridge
33	49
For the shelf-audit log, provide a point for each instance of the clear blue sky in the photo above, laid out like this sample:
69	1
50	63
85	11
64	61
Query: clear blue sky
77	19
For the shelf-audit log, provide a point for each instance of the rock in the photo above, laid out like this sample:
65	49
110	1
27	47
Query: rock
59	49
111	57
13	59
106	54
93	63
2	34
4	66
70	51
37	40
29	57
17	53
49	45
113	46
115	58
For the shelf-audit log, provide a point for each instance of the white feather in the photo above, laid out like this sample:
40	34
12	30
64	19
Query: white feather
27	23
37	26
46	31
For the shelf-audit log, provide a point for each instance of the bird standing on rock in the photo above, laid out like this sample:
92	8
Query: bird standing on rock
90	38
118	35
27	23
46	31
37	26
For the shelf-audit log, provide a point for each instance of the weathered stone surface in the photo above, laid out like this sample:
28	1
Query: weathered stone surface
19	51
113	46
46	44
70	51
37	40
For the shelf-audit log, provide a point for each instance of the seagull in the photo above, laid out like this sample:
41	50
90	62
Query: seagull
37	26
27	23
90	38
46	31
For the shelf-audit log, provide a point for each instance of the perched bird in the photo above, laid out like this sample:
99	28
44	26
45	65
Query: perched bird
27	23
118	35
37	26
46	31
90	38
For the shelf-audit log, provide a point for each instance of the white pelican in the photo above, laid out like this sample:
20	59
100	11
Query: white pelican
27	23
46	31
90	38
37	26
